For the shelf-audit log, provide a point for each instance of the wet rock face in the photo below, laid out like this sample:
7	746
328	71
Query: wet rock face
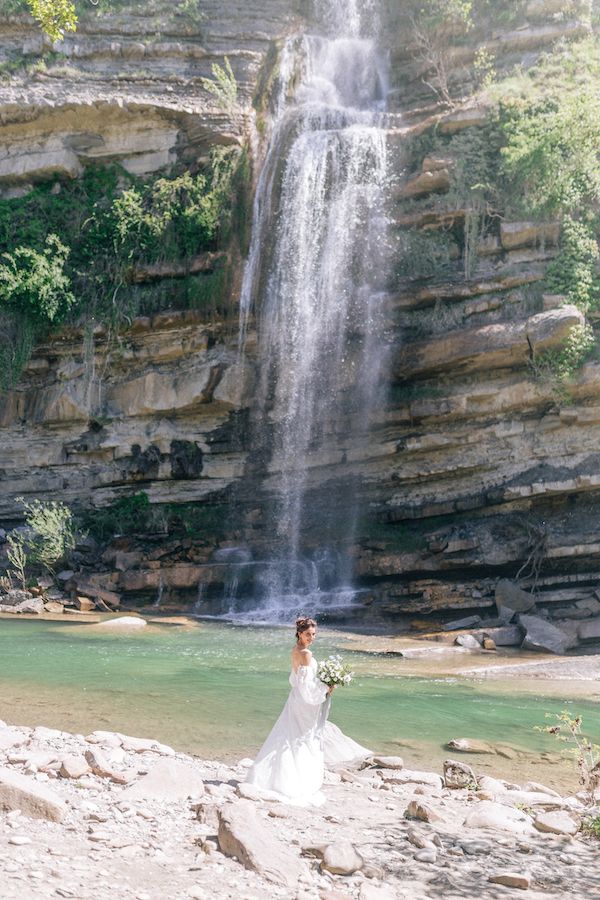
472	472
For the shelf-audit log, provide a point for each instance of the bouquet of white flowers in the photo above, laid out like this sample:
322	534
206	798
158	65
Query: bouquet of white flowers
333	672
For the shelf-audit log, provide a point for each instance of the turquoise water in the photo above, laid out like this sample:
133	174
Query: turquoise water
215	690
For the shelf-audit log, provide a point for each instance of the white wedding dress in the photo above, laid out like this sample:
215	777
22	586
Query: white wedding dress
290	766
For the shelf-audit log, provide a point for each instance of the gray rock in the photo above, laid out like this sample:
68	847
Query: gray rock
488	814
503	636
243	835
468	641
416	809
74	766
458	774
557	822
33	799
11	737
168	779
542	635
342	858
420	841
14	597
385	762
410	776
590	630
508	594
591	605
426	856
467	622
34	606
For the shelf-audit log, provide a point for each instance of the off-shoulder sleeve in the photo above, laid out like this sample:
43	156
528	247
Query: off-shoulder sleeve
311	689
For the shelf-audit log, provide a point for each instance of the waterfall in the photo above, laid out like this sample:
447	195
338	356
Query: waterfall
313	278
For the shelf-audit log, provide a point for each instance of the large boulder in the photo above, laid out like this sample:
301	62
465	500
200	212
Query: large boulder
169	779
242	834
496	816
558	821
543	636
508	594
590	630
32	798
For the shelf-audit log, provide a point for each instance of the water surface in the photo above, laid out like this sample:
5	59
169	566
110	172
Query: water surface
216	689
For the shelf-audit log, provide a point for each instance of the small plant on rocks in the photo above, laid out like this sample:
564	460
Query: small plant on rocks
568	729
54	532
17	557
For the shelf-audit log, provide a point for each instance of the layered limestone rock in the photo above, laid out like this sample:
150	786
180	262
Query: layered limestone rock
474	469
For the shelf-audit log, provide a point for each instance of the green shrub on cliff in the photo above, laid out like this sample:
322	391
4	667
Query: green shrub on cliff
55	17
34	284
574	272
110	221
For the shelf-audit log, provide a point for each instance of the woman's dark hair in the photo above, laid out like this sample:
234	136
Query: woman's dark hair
303	623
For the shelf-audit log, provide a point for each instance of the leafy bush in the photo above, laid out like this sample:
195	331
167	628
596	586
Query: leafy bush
125	516
223	86
558	366
17	557
35	283
136	515
574	272
54	16
551	151
54	532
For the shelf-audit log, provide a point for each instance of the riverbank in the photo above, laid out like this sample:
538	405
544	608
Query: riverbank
213	690
109	815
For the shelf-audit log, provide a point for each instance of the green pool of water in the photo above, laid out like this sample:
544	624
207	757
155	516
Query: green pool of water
215	690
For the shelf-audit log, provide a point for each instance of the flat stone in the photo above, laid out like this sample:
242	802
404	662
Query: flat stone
122	623
470	745
32	798
385	762
590	630
100	766
557	822
488	814
12	737
243	835
145	745
426	856
467	622
410	776
342	858
510	879
168	779
74	766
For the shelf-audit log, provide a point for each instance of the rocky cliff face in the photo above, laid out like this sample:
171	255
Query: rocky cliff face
475	469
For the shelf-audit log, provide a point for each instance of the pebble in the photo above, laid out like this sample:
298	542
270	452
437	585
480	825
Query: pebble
426	856
19	840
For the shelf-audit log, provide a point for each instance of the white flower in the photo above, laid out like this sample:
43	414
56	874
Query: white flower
332	671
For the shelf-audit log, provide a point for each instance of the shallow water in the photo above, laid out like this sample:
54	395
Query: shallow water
216	689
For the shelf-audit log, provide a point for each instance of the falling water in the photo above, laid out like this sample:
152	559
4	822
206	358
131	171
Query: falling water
312	277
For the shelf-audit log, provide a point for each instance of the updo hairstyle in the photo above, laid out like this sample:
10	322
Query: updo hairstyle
303	623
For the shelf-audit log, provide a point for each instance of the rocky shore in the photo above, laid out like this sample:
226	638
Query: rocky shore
110	815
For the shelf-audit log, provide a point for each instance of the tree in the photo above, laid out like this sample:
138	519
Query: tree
54	16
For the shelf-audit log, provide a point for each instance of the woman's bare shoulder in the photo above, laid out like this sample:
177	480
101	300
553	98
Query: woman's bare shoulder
300	658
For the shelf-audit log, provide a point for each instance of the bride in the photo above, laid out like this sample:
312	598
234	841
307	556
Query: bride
291	762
